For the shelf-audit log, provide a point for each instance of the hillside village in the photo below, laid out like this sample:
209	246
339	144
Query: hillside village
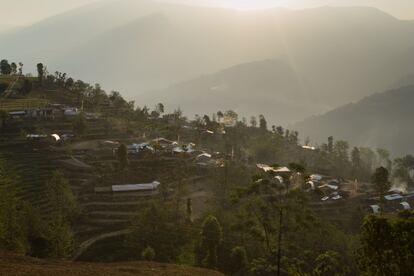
117	157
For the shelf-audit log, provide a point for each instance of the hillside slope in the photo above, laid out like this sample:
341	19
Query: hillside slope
382	120
11	264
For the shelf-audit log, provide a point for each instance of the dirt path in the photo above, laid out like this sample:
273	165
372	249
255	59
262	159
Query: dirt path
86	244
105	203
10	88
16	265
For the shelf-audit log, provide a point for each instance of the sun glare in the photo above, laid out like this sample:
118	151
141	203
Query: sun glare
249	4
234	4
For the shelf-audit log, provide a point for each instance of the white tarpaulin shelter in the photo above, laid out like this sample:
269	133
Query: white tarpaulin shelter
267	168
405	205
316	177
375	209
57	137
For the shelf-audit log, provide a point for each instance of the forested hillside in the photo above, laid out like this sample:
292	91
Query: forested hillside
381	120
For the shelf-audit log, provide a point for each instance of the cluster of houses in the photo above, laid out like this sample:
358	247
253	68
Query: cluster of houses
51	111
279	174
329	186
174	148
394	201
52	138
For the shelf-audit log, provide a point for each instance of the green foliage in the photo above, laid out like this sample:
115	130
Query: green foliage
297	167
239	261
148	254
330	144
189	209
63	210
160	227
381	181
40	73
5	68
60	237
211	236
387	246
253	121
159	108
262	123
13	235
79	125
119	107
402	168
3	87
122	154
12	231
27	87
13	67
259	224
327	264
4	115
60	197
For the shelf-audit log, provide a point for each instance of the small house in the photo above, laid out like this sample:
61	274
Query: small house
137	148
375	209
163	142
203	158
316	177
109	144
71	112
18	114
308	148
405	205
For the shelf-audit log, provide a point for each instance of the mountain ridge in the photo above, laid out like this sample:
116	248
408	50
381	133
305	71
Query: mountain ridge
339	54
380	120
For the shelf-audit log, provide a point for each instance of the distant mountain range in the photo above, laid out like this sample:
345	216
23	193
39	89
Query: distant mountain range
331	56
383	120
264	87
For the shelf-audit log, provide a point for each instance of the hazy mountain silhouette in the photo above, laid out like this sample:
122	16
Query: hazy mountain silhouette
381	120
337	55
53	37
269	87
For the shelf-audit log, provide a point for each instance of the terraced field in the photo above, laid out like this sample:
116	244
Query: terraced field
22	104
103	214
34	168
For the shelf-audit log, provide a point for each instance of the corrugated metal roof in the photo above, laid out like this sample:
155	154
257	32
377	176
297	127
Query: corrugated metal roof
393	197
136	187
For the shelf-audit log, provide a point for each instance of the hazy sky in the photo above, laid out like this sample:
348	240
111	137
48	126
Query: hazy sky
23	12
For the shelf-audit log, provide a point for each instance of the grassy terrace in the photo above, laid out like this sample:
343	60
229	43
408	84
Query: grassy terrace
22	104
34	168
